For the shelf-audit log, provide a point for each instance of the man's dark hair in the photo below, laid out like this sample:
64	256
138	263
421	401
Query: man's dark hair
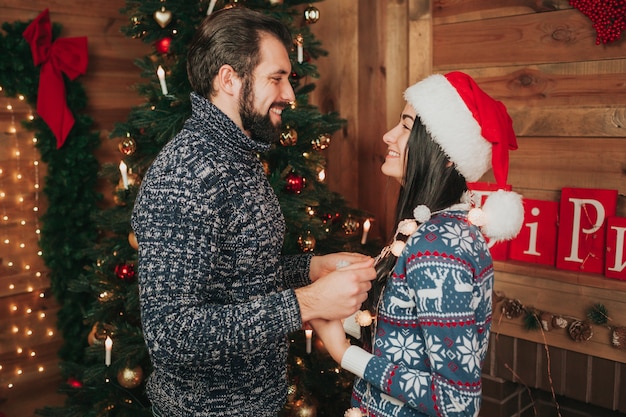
230	36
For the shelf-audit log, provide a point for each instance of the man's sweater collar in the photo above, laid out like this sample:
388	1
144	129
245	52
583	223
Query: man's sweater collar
208	117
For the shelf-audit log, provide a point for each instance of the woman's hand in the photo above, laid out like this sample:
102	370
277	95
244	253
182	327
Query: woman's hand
334	338
325	264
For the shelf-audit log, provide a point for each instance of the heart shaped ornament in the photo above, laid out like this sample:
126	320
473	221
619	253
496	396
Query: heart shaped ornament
163	17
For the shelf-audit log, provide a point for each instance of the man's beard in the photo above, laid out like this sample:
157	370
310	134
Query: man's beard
259	125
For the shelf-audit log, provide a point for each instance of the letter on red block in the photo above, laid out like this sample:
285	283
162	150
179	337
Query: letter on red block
582	228
536	242
615	248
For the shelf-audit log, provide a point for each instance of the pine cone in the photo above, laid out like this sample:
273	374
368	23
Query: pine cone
512	309
580	331
559	322
618	337
546	321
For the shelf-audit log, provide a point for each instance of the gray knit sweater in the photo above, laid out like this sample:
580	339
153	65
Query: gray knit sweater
217	299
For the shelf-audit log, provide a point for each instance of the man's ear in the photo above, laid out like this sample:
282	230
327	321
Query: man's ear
228	81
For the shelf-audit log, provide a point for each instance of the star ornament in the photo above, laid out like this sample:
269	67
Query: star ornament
608	17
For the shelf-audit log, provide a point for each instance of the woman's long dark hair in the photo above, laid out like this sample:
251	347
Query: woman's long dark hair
429	179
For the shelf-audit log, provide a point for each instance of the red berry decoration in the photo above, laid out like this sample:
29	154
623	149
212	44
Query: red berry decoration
163	45
608	17
125	272
295	183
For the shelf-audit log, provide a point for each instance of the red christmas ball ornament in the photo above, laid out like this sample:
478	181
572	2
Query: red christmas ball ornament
74	383
125	272
163	45
294	75
295	183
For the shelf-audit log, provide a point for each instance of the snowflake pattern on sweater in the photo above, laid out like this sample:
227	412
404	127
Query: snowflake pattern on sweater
216	297
433	325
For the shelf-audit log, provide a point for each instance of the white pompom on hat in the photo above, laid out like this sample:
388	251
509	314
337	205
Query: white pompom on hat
476	133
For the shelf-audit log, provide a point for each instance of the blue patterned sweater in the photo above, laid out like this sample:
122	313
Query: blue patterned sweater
433	325
217	299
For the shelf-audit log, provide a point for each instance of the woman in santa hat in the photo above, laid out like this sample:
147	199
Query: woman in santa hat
427	320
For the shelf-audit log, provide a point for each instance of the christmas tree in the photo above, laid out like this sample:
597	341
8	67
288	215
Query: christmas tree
109	378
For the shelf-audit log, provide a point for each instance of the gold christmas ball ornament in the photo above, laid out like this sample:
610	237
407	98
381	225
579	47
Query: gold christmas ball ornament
311	14
321	142
307	242
127	146
305	407
132	241
351	225
130	377
289	136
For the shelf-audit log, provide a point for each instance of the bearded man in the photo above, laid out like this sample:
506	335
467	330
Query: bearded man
218	299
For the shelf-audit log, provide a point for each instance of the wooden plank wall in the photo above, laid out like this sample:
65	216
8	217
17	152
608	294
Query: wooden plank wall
567	97
24	332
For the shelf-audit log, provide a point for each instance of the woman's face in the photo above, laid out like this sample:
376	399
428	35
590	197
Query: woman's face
396	140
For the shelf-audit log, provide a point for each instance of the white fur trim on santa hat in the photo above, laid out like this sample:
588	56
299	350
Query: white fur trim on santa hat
451	124
504	215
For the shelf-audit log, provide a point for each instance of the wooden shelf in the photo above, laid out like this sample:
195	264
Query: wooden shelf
566	293
560	275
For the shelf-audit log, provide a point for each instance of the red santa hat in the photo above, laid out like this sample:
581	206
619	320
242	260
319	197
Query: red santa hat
476	133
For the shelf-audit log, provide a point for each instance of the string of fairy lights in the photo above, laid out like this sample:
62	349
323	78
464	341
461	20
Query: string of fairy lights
25	324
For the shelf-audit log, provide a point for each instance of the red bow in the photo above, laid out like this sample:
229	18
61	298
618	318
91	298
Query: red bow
64	56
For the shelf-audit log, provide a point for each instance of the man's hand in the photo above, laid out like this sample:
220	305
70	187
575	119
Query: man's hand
325	264
338	294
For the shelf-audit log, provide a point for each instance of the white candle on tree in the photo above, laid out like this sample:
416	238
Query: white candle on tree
211	7
108	346
161	76
309	337
366	229
124	172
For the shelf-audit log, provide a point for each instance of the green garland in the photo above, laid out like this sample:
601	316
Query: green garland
579	329
69	184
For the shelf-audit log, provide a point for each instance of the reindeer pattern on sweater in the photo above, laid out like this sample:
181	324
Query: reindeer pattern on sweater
433	325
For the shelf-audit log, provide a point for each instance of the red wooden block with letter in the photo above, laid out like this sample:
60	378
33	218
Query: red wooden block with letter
582	228
536	241
615	248
480	192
